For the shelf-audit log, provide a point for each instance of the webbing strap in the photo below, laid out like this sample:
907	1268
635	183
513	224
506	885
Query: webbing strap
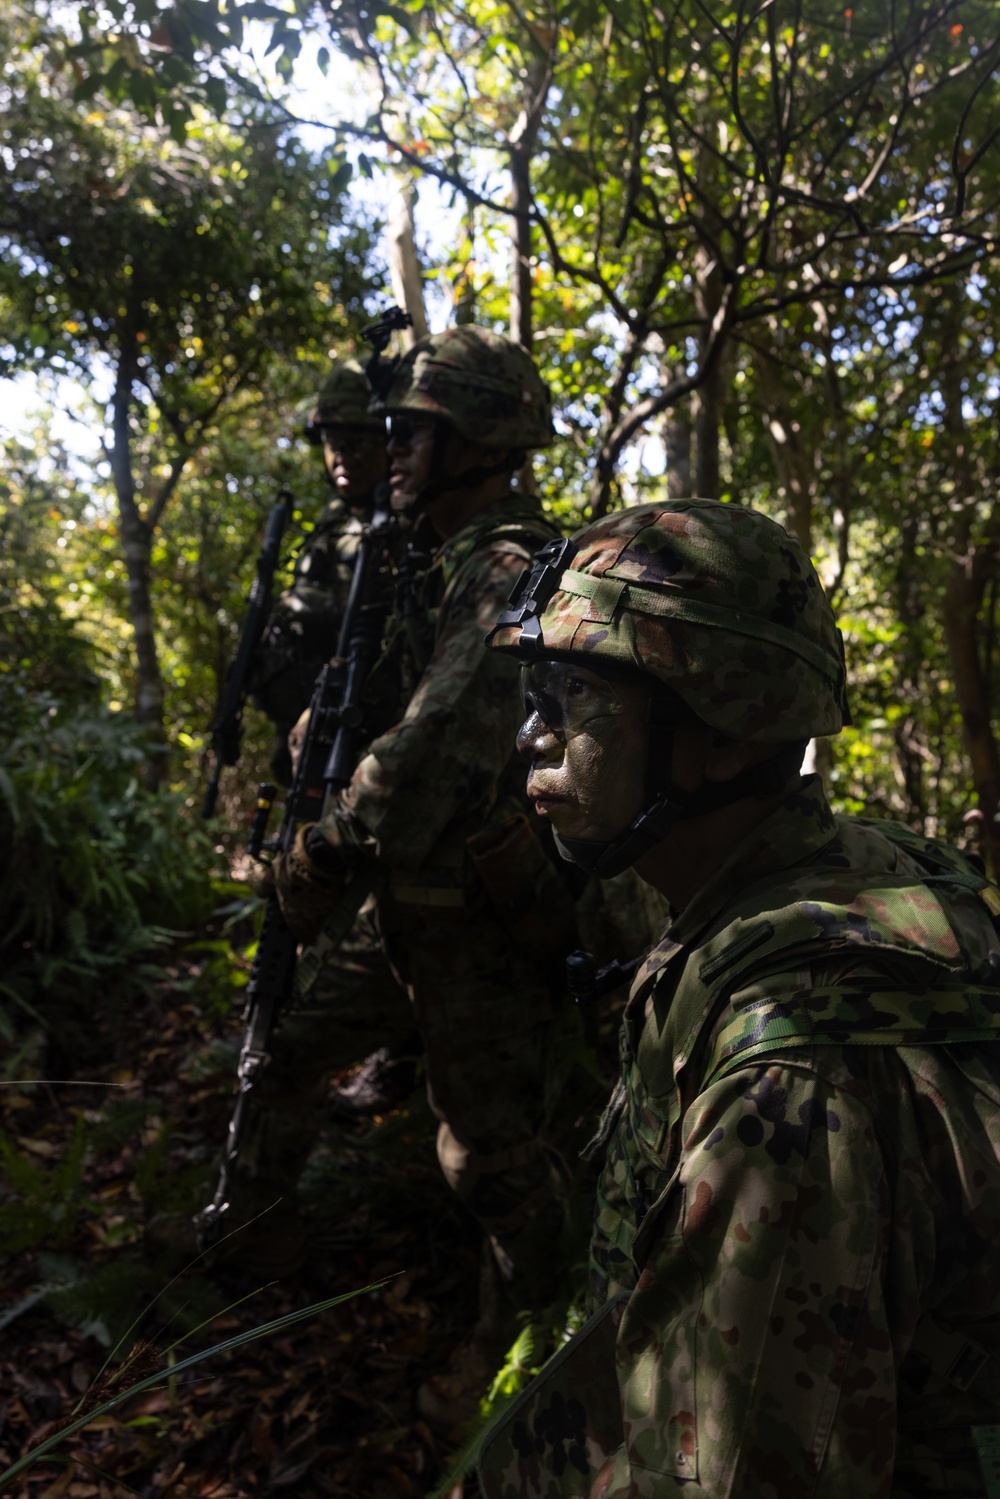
613	591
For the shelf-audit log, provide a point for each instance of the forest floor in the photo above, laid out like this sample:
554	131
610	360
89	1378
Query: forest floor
323	1408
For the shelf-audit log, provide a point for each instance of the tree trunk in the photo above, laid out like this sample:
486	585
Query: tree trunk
521	330
464	292
708	398
136	545
794	473
963	598
911	747
521	149
677	443
973	562
405	274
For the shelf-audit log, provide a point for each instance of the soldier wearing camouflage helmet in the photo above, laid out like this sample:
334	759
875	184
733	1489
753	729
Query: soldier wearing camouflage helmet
795	1262
352	1006
302	631
437	812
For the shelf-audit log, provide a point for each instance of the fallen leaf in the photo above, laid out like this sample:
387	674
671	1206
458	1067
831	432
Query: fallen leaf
58	1488
40	1147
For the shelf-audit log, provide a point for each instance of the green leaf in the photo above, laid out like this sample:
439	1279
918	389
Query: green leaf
217	95
88	87
341	174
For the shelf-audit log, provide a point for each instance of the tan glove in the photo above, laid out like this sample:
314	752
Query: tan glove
306	892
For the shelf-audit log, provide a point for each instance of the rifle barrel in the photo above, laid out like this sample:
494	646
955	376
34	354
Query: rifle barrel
227	731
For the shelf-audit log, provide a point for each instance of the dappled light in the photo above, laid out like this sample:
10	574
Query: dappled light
753	255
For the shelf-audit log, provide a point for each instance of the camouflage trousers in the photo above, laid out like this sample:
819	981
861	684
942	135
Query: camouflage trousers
352	1004
488	1023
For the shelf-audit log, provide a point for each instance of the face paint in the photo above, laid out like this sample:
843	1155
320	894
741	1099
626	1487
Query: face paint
586	738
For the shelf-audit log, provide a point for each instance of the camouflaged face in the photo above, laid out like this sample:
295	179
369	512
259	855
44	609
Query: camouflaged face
715	600
485	385
345	397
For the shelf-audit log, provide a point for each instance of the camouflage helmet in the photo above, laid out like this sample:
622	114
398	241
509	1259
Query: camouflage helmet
485	385
715	600
344	397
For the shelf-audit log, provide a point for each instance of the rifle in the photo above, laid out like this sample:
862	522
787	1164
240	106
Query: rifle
588	983
227	730
325	765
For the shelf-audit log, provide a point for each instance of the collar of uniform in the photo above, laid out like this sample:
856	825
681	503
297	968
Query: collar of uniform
511	510
799	827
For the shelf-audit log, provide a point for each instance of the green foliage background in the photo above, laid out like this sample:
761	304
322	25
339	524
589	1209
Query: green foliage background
789	220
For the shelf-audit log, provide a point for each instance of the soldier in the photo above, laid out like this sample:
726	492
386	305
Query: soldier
799	1212
474	906
301	637
351	1005
302	632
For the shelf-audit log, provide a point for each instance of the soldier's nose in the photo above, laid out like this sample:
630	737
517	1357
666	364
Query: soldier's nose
535	738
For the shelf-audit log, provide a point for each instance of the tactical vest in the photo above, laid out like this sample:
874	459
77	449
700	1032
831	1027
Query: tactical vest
302	630
516	523
929	934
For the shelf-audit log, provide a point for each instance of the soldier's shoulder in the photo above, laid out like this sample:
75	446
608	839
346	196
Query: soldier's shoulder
495	546
517	523
872	934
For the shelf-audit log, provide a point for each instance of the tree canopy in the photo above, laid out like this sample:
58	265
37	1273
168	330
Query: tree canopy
752	249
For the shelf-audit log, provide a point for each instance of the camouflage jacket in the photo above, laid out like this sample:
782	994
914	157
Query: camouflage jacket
449	762
302	631
803	1163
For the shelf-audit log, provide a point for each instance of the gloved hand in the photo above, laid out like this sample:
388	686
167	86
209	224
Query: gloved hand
307	880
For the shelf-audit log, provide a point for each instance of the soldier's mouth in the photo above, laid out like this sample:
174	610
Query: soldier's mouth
545	800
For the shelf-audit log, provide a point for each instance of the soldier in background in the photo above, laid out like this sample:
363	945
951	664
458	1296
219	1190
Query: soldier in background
302	632
354	1006
301	637
476	910
798	1219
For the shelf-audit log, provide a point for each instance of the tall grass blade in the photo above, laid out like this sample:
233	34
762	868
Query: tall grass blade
240	1340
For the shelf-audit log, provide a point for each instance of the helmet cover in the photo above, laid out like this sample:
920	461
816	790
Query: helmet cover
485	385
344	399
715	600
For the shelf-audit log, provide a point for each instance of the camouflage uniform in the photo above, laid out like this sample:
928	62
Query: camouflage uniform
476	916
442	799
798	1217
348	1001
302	631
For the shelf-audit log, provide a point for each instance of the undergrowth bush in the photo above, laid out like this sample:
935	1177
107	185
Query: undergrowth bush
99	873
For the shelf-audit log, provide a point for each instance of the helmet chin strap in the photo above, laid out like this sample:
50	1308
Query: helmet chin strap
666	804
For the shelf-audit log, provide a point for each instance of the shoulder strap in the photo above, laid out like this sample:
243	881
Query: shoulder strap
522	527
900	920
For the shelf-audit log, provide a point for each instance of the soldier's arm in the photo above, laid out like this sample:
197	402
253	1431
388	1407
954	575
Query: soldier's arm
443	760
756	1347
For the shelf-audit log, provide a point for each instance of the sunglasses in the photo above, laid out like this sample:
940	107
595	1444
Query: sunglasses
403	429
